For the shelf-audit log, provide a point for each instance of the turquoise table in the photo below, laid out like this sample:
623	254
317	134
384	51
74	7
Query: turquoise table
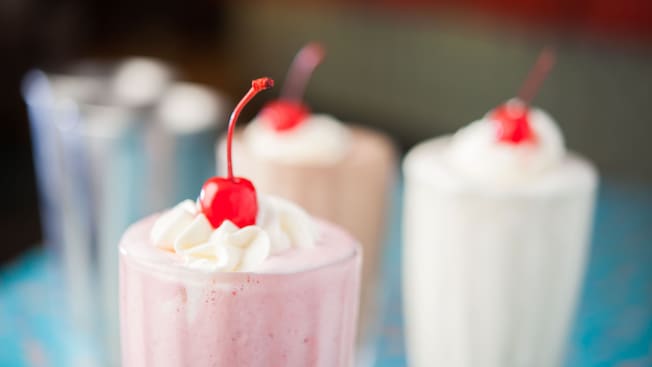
613	326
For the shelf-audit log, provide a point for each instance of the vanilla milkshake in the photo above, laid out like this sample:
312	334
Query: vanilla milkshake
335	171
496	230
238	278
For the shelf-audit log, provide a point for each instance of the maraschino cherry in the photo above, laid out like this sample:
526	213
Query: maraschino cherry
513	125
232	198
288	111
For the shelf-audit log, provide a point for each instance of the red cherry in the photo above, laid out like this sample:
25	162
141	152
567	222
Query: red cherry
288	112
232	198
284	114
512	122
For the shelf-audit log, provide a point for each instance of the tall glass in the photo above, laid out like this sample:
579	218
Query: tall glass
354	192
80	151
173	316
491	276
103	161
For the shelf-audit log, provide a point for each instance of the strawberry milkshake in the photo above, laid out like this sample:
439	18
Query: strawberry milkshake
238	278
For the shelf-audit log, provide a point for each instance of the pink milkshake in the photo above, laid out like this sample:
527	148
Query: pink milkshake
238	279
298	309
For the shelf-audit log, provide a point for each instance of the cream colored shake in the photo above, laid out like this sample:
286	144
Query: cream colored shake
496	233
338	172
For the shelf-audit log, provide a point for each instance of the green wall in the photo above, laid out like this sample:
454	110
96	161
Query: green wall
417	76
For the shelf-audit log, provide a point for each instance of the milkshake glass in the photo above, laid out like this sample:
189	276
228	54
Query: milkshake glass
238	278
298	310
341	173
88	153
353	189
495	243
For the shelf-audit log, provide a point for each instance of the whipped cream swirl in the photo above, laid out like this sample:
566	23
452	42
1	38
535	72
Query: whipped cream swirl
280	225
475	151
320	139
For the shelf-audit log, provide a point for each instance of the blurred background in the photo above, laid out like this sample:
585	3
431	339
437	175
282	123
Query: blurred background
413	68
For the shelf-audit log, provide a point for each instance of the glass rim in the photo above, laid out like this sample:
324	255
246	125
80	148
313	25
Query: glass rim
180	271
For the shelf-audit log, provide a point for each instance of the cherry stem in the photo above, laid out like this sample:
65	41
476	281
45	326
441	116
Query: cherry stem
537	75
257	85
303	65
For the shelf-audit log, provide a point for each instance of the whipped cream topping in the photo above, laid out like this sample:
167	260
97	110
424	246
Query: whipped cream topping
280	225
139	81
320	139
189	108
475	151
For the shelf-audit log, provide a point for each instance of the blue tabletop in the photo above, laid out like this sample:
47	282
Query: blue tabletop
613	326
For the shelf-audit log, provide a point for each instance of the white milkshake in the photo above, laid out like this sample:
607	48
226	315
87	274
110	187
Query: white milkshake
495	242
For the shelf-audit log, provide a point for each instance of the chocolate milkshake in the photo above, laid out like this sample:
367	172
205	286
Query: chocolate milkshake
342	173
